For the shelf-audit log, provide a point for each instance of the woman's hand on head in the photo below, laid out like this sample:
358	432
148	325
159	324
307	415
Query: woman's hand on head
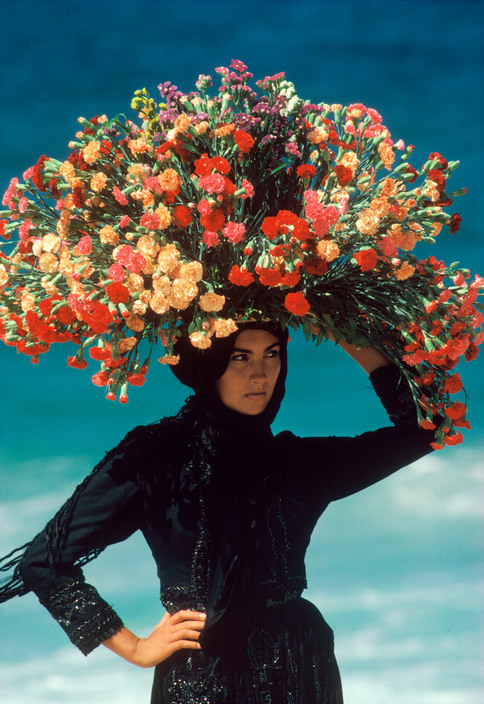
177	632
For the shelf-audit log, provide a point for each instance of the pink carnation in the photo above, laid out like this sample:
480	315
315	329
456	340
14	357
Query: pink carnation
119	196
204	207
212	183
248	187
133	261
84	245
234	232
150	221
388	247
211	239
116	272
24	229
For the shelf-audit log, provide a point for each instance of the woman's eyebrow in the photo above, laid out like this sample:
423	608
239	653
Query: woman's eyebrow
242	349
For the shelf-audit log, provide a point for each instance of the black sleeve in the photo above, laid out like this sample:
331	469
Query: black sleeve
106	508
336	467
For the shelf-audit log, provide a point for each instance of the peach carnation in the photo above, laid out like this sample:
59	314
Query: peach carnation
182	293
51	242
350	160
171	359
368	222
99	181
223	327
169	180
199	340
3	275
161	284
147	246
182	123
328	250
318	135
212	302
168	257
405	271
386	154
164	215
48	263
193	271
135	323
108	236
159	304
91	152
138	146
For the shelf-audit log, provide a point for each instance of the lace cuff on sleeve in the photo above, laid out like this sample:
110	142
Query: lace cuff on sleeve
394	392
86	618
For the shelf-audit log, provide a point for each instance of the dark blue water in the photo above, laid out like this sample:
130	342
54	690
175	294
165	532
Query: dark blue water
395	570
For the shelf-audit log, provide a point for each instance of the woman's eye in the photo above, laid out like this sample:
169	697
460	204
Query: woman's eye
238	358
273	353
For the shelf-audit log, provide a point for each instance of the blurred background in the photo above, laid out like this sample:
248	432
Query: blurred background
396	569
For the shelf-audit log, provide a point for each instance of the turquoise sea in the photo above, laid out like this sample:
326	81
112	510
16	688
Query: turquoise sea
396	570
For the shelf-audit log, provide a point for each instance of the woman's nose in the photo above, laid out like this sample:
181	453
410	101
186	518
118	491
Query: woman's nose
258	370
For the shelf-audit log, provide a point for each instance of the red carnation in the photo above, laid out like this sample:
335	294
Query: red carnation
117	292
244	141
455	222
98	318
343	174
437	177
240	276
213	221
442	161
78	195
454	439
301	230
37	177
100	353
366	258
136	379
291	278
306	171
270	227
100	379
220	164
296	303
268	277
410	170
316	266
183	215
65	315
455	410
76	363
203	165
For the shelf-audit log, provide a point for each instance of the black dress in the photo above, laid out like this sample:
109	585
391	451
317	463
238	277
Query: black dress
228	515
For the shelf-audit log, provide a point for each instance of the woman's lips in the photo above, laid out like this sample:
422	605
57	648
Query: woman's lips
256	395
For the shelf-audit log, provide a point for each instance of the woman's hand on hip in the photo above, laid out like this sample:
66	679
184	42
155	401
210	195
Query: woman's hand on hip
177	632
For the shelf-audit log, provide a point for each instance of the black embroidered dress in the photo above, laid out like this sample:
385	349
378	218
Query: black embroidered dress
228	511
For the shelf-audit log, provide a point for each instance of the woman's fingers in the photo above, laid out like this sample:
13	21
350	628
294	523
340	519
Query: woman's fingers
187	616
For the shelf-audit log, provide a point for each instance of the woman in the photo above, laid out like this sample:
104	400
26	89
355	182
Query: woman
227	510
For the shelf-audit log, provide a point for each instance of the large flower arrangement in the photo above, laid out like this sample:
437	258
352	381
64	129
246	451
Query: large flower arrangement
214	210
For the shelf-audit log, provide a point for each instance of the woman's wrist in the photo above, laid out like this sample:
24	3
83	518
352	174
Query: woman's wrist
369	358
127	645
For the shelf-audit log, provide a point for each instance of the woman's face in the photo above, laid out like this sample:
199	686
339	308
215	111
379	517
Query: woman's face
249	380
